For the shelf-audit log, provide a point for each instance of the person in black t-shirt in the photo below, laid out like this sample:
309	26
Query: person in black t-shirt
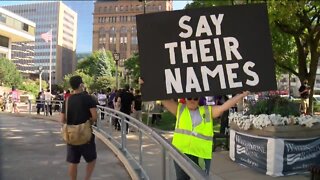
126	98
136	106
81	107
304	91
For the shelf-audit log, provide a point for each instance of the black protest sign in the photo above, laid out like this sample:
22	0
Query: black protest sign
203	52
251	151
299	155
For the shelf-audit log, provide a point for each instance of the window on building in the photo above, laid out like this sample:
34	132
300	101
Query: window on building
3	18
133	18
133	30
102	32
117	9
123	30
134	40
160	8
4	41
2	55
25	27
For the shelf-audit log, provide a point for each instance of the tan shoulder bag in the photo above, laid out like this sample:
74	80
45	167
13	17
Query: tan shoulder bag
76	134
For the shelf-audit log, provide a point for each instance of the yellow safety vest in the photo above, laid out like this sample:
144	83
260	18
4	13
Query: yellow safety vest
196	141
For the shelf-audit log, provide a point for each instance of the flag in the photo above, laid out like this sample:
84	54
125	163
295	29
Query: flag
47	36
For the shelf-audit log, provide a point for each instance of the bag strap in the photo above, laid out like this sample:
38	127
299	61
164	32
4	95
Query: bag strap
66	106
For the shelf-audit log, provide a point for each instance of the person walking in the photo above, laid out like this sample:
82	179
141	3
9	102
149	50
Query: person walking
102	100
15	98
39	102
136	106
80	108
48	102
125	99
193	134
304	91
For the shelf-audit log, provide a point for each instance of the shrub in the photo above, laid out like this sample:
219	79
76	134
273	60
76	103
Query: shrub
275	105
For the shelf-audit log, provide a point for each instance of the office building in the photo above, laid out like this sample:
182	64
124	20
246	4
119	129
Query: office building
114	24
63	22
14	28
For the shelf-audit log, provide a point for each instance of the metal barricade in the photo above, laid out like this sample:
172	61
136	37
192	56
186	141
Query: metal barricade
45	106
134	151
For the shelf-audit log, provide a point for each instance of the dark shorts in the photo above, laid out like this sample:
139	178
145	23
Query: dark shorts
88	151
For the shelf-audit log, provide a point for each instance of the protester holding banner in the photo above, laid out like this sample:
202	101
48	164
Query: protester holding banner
204	52
194	128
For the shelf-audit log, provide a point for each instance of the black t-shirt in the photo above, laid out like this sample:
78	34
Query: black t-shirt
126	102
79	108
137	102
304	95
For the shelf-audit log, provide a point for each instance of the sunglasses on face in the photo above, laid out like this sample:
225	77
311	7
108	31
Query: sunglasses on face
195	99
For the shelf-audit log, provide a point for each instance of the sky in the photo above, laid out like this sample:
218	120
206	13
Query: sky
85	19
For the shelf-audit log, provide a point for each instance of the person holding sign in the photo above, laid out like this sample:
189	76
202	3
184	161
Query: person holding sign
194	128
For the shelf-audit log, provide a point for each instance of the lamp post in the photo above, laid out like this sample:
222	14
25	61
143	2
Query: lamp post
40	68
116	57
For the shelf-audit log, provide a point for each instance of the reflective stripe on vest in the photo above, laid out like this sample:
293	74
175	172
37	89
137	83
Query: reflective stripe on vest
179	115
195	134
208	118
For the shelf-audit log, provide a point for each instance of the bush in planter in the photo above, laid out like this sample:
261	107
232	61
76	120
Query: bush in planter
275	105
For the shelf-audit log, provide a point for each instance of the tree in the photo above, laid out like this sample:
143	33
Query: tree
98	64
295	29
87	80
9	75
300	21
32	86
133	65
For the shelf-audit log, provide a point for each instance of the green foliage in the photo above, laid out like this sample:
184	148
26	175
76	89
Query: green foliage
87	80
92	84
167	121
316	108
102	83
9	75
30	86
133	65
98	64
275	105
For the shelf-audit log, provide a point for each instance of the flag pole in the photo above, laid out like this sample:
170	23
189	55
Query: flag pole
50	63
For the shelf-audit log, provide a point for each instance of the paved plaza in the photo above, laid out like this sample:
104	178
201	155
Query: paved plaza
31	148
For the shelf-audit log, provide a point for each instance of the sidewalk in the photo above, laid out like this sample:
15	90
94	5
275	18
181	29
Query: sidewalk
32	148
222	167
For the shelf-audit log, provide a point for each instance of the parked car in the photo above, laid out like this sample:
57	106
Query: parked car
316	99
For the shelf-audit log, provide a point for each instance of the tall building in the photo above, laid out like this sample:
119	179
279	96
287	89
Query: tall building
63	22
114	24
14	28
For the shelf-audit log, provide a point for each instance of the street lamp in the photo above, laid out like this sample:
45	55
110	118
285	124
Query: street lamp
40	68
116	57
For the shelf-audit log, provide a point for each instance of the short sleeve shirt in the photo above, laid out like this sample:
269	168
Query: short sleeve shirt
79	108
126	101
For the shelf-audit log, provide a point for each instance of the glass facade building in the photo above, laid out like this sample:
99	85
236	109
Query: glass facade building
63	22
14	28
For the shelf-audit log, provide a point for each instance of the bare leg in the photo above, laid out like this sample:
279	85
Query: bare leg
73	171
90	168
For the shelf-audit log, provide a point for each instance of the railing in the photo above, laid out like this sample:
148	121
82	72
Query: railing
45	105
134	152
134	155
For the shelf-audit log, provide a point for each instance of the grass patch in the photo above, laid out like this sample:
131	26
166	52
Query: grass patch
168	122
